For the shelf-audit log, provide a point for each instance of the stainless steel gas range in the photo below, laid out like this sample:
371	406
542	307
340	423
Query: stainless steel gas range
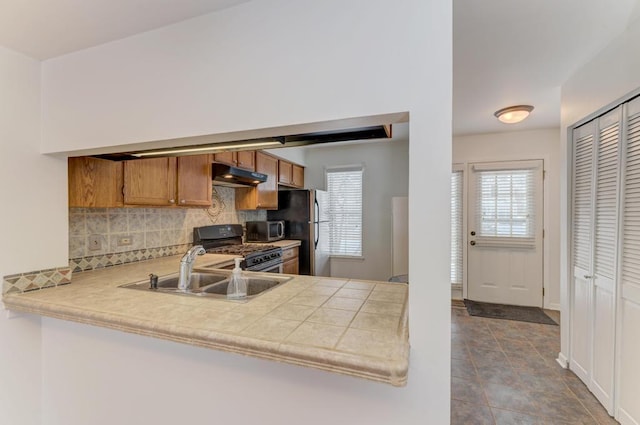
227	239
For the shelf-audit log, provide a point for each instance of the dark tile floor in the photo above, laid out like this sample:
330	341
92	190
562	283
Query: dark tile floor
504	372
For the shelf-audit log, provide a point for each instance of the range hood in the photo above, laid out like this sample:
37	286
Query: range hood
225	175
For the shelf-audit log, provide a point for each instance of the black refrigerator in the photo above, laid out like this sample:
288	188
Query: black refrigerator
306	216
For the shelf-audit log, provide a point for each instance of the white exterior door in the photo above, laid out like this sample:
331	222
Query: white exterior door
504	255
595	230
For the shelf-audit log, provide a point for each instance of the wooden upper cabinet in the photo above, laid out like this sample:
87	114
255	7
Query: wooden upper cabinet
194	180
264	195
246	160
95	183
297	175
229	158
240	159
150	181
284	172
183	181
290	174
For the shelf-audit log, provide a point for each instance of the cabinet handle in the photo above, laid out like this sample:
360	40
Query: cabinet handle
586	276
182	201
172	201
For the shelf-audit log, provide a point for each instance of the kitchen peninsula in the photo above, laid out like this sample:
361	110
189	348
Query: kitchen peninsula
347	326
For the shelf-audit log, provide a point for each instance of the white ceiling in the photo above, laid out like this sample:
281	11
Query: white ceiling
511	52
44	29
506	52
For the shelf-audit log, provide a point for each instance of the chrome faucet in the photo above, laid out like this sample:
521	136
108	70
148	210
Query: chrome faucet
186	265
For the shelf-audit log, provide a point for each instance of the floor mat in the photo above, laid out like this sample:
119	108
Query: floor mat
508	312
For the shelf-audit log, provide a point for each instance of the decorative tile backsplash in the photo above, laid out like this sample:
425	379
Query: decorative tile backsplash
24	282
103	237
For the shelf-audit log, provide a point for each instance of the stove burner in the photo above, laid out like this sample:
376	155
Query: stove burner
227	239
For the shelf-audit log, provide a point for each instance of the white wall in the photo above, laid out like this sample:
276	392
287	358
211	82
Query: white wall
521	145
28	193
386	175
612	74
264	64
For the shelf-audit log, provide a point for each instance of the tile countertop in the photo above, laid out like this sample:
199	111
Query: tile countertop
347	326
283	243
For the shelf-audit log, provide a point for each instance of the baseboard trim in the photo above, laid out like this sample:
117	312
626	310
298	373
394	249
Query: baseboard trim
624	418
553	306
562	361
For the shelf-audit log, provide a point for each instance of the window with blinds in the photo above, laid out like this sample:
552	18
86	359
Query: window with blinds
456	227
506	203
344	186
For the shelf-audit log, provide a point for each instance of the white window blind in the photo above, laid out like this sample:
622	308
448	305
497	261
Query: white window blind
344	186
456	228
506	203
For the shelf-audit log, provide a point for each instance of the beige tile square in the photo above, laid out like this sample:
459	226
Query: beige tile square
353	293
344	303
382	307
356	284
332	316
311	300
271	329
369	343
376	322
333	283
292	312
230	321
316	334
392	287
320	290
388	296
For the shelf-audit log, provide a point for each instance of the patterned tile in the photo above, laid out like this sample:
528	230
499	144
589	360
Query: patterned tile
35	280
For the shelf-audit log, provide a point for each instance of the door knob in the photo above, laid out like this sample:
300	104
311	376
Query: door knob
472	243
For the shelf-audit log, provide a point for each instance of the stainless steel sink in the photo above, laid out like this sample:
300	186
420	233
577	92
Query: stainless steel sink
211	284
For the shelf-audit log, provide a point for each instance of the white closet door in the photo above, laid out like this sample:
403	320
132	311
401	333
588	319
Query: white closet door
628	346
604	260
582	252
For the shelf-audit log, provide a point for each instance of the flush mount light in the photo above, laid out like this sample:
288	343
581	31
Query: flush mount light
513	114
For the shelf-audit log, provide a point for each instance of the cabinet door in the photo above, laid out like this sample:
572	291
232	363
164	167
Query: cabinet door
194	180
150	181
267	192
247	160
291	266
94	183
229	158
284	172
297	175
265	195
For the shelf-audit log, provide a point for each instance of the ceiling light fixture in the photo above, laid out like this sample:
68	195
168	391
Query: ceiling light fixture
513	114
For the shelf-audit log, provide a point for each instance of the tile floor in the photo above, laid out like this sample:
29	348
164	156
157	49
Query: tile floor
504	372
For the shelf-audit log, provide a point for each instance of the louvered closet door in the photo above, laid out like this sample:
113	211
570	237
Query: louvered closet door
604	260
628	346
582	249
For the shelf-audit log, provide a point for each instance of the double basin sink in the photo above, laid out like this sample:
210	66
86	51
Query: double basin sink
211	283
